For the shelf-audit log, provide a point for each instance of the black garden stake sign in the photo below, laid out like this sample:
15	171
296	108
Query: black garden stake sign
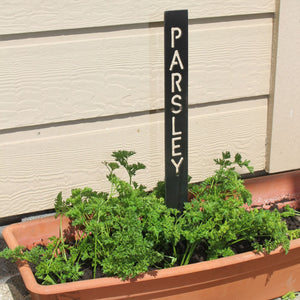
176	107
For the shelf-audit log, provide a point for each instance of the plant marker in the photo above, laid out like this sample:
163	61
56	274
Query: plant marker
176	107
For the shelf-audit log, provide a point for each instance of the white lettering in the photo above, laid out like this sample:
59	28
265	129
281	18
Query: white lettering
177	82
176	100
176	104
177	165
173	36
176	60
174	146
173	128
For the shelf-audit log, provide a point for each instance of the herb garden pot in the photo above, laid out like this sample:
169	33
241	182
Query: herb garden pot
243	276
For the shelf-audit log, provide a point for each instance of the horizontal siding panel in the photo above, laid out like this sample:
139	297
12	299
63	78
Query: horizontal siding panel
37	166
285	133
58	79
34	16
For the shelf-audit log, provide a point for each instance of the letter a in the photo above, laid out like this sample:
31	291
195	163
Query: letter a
176	60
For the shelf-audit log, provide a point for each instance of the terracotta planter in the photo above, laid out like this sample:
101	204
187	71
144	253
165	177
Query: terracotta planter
243	276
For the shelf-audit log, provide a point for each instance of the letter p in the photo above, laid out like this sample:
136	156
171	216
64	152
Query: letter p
175	35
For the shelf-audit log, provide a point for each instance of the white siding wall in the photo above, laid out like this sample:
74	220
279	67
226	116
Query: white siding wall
284	132
80	79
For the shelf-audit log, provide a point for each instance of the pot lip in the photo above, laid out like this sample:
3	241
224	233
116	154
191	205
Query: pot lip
290	181
219	263
275	189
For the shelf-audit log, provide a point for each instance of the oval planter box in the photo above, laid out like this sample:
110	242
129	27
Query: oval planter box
243	276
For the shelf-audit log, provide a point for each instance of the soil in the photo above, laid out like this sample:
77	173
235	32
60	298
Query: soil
293	222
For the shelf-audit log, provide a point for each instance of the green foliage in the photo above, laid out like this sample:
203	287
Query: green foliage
218	219
60	206
294	234
121	159
159	190
290	296
13	254
129	231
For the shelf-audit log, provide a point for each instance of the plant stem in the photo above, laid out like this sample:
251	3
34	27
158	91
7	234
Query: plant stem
185	254
191	252
95	257
61	240
188	253
95	245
